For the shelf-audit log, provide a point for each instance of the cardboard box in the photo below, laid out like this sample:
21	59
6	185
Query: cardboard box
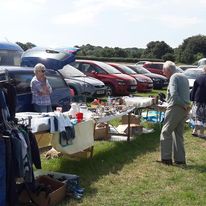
87	153
135	129
101	132
133	119
57	194
43	139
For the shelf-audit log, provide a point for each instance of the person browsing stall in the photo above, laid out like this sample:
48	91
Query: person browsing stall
41	90
198	97
178	105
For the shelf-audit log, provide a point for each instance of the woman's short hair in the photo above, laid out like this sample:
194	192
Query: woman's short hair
169	65
39	67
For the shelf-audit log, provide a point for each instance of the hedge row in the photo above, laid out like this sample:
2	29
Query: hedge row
117	59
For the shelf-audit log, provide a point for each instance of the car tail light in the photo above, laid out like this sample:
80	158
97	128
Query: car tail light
71	92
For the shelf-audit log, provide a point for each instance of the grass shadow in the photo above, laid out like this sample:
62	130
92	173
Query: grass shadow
109	157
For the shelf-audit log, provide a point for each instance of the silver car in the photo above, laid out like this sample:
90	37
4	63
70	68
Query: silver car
192	74
81	84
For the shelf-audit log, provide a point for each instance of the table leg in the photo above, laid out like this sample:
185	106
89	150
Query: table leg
128	133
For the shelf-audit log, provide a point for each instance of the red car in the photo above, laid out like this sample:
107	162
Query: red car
144	84
154	67
157	67
116	82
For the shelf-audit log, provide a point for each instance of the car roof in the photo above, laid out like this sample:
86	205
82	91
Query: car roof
195	69
153	62
17	69
86	60
10	46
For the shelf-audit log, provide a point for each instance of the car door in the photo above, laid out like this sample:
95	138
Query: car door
94	70
21	81
60	96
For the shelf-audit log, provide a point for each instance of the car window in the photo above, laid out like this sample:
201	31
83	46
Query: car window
157	66
87	68
99	70
75	64
70	71
56	81
11	58
22	82
109	69
126	69
140	70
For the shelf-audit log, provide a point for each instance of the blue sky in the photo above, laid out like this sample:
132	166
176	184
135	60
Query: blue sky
112	23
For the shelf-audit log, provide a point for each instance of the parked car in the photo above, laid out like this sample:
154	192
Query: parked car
20	78
144	84
154	67
116	82
192	75
184	67
10	54
81	84
159	81
52	58
157	67
201	62
140	62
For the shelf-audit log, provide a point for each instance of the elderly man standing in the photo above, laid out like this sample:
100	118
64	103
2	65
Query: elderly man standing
178	99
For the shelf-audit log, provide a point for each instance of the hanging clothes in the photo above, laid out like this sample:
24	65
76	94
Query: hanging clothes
2	172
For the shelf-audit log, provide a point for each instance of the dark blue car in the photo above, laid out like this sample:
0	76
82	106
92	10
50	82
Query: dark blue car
21	77
52	58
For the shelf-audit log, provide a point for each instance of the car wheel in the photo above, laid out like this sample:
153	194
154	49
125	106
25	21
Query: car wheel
110	90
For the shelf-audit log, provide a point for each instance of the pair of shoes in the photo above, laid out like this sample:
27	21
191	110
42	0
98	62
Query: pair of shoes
195	134
180	163
166	162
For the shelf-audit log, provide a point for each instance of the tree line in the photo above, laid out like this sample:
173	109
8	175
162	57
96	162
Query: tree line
190	51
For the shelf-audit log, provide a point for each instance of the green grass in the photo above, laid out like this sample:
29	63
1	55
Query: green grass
125	173
122	173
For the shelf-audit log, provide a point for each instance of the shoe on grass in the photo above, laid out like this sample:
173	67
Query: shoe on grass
165	162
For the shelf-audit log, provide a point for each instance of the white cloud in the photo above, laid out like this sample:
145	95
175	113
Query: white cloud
83	16
180	21
88	11
20	5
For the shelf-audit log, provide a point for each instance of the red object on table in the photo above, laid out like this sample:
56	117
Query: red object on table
79	116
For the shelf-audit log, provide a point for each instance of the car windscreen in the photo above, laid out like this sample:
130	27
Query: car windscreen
109	69
126	69
70	71
140	70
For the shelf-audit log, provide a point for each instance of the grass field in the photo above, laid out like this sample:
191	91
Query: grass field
126	173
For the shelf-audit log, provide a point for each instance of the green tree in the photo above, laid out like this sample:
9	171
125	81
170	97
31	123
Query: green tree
157	49
168	56
26	46
192	49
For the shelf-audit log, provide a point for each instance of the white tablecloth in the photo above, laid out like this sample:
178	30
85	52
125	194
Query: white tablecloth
138	102
84	138
84	132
